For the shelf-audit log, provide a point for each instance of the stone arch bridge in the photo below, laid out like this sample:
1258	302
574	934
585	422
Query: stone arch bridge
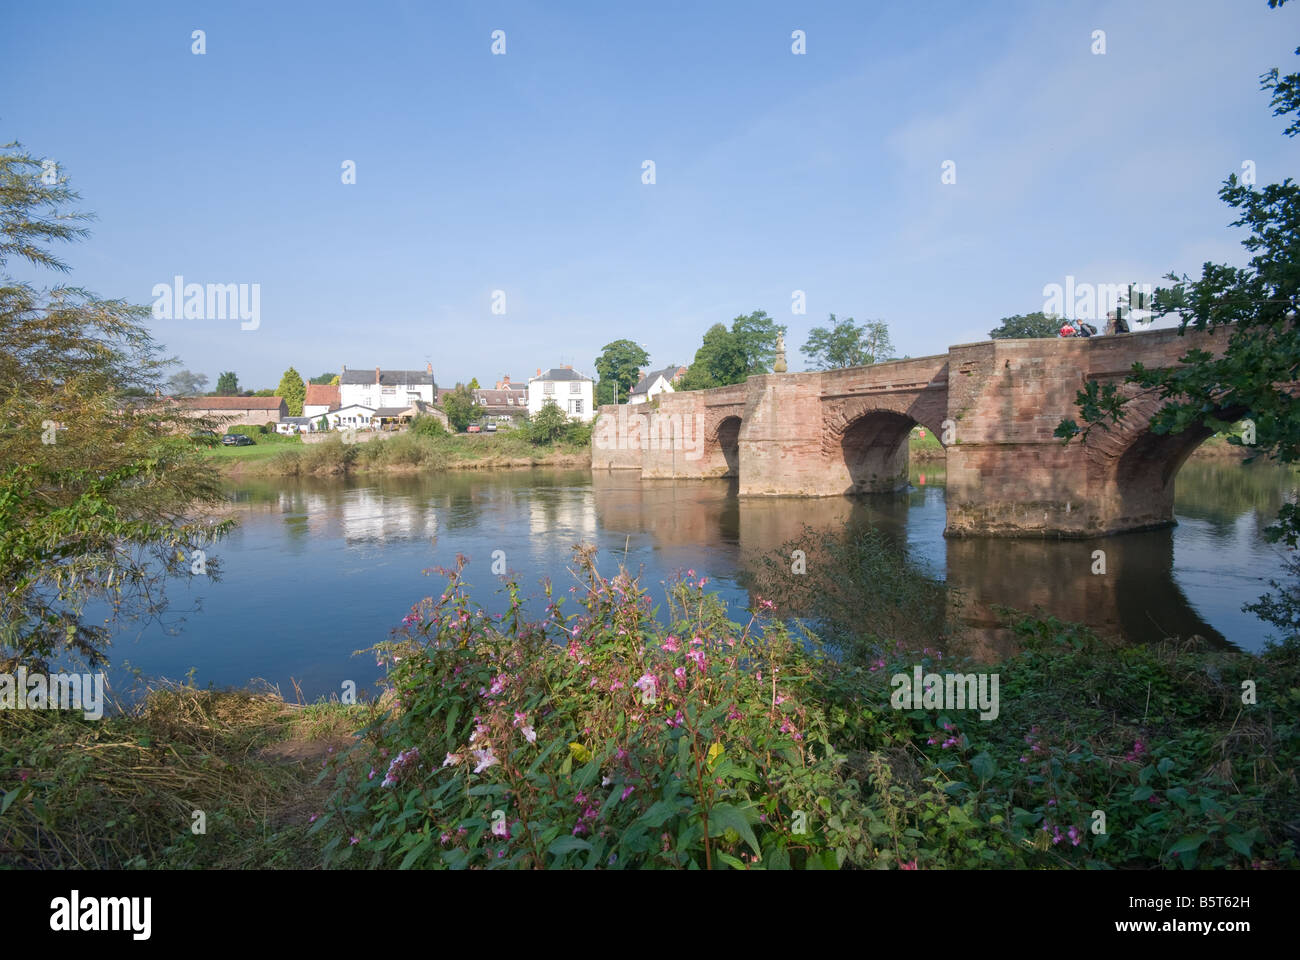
994	405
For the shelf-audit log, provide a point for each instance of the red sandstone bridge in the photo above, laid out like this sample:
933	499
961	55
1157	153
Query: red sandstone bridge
994	405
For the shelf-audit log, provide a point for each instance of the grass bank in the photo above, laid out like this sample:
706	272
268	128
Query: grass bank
187	778
402	452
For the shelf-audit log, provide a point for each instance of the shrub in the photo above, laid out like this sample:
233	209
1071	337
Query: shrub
600	739
427	426
548	425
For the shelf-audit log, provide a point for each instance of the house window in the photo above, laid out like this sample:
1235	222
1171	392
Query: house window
577	406
390	391
548	387
575	387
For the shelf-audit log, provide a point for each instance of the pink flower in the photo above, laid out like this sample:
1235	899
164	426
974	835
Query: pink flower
670	644
353	841
909	865
627	792
698	657
485	759
680	674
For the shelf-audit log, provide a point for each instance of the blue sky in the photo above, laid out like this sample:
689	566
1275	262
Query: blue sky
523	172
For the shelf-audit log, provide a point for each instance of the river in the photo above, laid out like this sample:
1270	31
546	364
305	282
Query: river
320	568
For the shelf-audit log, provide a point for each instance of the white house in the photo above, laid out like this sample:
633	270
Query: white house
656	381
567	389
354	415
386	388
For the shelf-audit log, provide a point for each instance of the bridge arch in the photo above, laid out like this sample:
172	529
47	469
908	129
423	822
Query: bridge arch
1137	466
726	436
865	440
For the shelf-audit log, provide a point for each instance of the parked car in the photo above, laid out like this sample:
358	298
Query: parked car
236	440
490	428
473	428
207	438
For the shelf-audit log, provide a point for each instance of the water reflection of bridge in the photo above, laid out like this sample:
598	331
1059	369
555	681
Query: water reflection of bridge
1137	598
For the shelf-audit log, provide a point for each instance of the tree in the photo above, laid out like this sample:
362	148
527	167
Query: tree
293	390
1028	326
755	336
1255	307
472	385
102	498
228	384
720	361
847	344
458	405
183	383
618	368
548	424
323	423
265	392
324	378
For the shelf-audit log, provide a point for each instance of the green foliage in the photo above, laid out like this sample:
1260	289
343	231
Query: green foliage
755	336
719	361
719	758
459	407
548	425
617	368
847	344
427	426
1026	326
324	379
102	498
293	391
732	356
228	384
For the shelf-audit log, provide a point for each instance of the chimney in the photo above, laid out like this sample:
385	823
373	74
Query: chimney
568	366
428	368
345	368
376	376
539	371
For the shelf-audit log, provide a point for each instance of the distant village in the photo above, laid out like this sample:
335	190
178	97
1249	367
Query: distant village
384	400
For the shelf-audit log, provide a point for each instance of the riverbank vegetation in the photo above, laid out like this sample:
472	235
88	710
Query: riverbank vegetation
183	778
426	446
603	737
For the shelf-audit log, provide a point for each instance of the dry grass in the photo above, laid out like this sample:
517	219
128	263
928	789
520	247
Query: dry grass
123	791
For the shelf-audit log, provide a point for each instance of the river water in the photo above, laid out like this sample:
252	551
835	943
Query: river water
318	569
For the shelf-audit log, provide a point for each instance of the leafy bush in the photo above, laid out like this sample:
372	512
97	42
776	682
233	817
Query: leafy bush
426	426
601	739
547	425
